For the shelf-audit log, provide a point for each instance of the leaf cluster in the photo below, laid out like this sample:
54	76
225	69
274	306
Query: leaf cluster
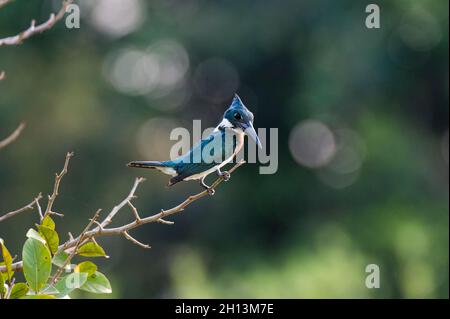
43	263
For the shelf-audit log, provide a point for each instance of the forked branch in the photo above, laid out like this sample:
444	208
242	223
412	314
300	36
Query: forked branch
34	28
100	228
58	178
60	270
28	207
51	198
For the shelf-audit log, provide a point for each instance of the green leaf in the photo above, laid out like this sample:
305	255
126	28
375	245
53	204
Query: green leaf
71	282
49	290
60	258
37	263
91	249
97	283
48	222
39	297
7	259
3	275
2	285
86	266
19	290
51	237
35	235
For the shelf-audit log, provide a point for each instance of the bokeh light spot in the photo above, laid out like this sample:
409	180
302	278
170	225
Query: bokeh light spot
156	71
343	170
420	30
312	144
133	72
117	18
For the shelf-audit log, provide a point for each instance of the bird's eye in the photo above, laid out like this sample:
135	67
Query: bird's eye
237	116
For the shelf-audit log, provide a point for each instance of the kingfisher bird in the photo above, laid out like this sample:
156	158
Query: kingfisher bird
212	152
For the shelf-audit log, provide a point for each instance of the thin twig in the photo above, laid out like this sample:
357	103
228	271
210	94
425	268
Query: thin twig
135	211
35	29
39	208
166	222
127	200
135	241
21	210
74	251
14	135
58	178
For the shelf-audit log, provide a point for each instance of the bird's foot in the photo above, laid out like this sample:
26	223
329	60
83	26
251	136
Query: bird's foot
225	175
208	188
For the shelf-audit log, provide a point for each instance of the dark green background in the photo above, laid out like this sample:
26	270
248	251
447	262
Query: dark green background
284	235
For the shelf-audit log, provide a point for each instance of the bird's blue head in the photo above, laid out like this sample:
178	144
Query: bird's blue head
238	117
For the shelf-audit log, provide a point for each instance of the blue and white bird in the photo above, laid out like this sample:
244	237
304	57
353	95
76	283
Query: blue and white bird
211	153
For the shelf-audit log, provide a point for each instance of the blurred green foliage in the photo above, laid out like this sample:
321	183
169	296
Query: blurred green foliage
293	234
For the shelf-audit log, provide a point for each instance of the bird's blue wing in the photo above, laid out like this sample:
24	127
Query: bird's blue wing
208	153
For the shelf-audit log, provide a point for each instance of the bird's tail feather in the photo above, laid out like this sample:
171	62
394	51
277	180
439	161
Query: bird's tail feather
146	164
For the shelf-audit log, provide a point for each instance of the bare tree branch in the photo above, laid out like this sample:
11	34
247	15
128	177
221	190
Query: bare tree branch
14	135
135	241
35	29
121	230
134	210
101	229
58	178
163	221
60	271
126	201
4	3
41	216
30	206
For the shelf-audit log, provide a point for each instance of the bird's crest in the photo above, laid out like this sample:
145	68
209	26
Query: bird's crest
238	106
237	103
